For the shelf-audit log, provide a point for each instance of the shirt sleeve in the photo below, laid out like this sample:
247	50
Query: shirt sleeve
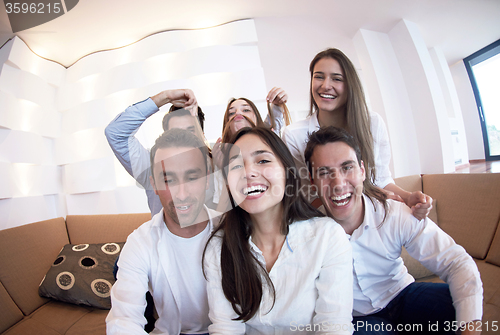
381	151
120	134
335	295
221	312
437	251
128	293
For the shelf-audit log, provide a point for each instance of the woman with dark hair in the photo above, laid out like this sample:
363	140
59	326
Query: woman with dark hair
241	113
337	99
275	262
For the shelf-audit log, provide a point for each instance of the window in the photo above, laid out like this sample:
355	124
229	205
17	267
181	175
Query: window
483	68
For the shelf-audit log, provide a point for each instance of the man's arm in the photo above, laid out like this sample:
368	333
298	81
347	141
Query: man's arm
120	132
437	251
128	299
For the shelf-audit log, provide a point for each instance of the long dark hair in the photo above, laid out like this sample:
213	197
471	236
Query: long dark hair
241	271
357	116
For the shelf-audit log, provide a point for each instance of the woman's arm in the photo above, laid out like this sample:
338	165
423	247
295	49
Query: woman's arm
420	203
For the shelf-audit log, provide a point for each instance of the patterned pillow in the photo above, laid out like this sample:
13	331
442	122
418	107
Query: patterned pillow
82	274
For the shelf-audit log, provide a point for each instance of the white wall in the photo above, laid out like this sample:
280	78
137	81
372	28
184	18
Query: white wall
54	156
55	160
405	82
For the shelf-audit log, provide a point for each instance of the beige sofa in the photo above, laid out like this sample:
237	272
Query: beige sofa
466	206
27	253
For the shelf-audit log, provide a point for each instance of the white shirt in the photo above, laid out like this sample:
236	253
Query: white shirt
194	303
379	272
148	262
295	137
312	278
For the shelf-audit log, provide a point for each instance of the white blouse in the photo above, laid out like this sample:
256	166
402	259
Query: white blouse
312	278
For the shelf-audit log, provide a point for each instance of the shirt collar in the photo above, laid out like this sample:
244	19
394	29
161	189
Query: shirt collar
313	122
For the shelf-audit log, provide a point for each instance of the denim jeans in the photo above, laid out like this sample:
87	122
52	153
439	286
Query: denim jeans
421	308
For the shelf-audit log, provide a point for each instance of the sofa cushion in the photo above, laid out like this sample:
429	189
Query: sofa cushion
30	326
415	268
491	296
26	253
414	183
9	312
103	228
82	274
467	200
494	252
92	323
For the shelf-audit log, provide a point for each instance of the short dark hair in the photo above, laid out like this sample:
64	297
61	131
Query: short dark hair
179	138
332	134
179	111
326	135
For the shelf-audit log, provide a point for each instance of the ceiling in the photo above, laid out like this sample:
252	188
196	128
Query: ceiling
458	27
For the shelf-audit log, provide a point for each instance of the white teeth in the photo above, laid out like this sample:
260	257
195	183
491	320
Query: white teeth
327	96
253	189
341	203
341	197
182	208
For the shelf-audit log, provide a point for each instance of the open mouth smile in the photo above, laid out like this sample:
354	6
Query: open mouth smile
254	190
327	96
341	200
182	208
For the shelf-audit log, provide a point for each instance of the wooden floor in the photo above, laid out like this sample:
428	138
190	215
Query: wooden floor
480	167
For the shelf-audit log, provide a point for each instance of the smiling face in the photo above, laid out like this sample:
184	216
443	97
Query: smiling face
339	179
180	187
328	87
256	176
236	111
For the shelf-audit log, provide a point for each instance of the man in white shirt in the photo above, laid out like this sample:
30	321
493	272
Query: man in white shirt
163	256
387	300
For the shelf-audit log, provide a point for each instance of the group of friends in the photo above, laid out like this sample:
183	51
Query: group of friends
279	227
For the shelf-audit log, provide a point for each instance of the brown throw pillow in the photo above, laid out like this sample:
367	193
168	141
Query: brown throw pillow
82	274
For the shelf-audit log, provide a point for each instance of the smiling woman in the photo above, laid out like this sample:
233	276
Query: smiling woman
275	261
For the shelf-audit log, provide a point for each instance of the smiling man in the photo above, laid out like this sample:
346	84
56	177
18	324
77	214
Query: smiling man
121	131
386	298
163	256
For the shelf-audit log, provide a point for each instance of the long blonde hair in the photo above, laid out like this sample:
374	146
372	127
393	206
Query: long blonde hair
357	117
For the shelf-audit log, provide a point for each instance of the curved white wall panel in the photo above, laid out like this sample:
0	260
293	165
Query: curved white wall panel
5	181
24	59
53	139
30	180
23	147
89	176
18	211
24	115
80	146
24	85
121	200
241	32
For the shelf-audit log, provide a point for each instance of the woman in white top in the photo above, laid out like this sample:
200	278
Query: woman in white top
275	264
337	99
